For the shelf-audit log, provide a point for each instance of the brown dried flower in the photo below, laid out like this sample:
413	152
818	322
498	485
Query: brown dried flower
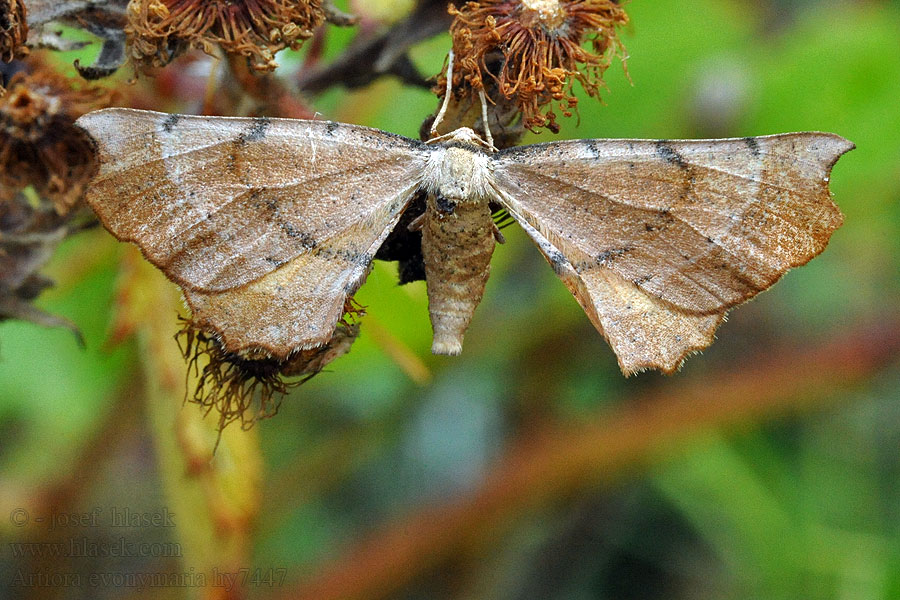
539	44
13	29
159	30
39	143
249	388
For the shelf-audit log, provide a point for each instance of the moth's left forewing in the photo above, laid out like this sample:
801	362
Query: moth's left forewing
268	225
217	202
298	305
690	228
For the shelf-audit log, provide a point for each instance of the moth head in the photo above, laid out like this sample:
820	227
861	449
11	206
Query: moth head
464	136
459	168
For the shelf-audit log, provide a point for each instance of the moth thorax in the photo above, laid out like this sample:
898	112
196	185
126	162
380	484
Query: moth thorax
459	173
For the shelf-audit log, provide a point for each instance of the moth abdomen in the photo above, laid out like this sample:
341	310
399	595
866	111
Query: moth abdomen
457	247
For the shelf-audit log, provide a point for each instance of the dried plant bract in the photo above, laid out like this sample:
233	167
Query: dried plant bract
159	30
541	47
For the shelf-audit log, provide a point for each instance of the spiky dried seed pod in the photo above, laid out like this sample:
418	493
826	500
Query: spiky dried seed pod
160	30
540	42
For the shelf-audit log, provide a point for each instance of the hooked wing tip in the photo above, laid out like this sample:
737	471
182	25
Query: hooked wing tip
828	147
840	147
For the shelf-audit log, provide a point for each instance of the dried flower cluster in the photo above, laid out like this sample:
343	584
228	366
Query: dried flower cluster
13	29
159	30
45	164
39	143
249	388
533	50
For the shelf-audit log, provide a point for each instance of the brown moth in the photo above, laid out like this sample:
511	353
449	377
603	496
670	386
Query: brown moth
269	224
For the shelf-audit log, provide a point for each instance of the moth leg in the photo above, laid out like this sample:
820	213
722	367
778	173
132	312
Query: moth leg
498	235
417	223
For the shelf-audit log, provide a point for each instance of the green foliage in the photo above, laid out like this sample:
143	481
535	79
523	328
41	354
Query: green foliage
796	505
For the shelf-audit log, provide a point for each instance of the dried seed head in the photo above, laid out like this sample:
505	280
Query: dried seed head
249	388
539	47
160	30
39	143
548	13
228	383
13	30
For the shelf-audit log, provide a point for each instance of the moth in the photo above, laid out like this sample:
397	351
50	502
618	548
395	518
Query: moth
268	225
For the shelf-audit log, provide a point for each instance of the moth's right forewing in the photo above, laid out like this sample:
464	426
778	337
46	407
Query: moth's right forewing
659	238
701	224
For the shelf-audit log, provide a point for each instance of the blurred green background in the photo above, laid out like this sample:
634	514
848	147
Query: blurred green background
528	467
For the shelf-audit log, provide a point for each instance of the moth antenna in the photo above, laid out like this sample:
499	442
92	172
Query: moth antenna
484	118
443	111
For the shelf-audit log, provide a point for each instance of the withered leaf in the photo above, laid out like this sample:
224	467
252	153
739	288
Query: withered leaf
269	224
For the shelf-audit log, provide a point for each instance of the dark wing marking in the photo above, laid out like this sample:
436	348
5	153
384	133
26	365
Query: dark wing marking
217	202
657	239
267	224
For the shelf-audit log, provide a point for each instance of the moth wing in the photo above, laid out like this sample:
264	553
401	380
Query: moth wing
295	307
266	224
217	202
643	331
676	231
